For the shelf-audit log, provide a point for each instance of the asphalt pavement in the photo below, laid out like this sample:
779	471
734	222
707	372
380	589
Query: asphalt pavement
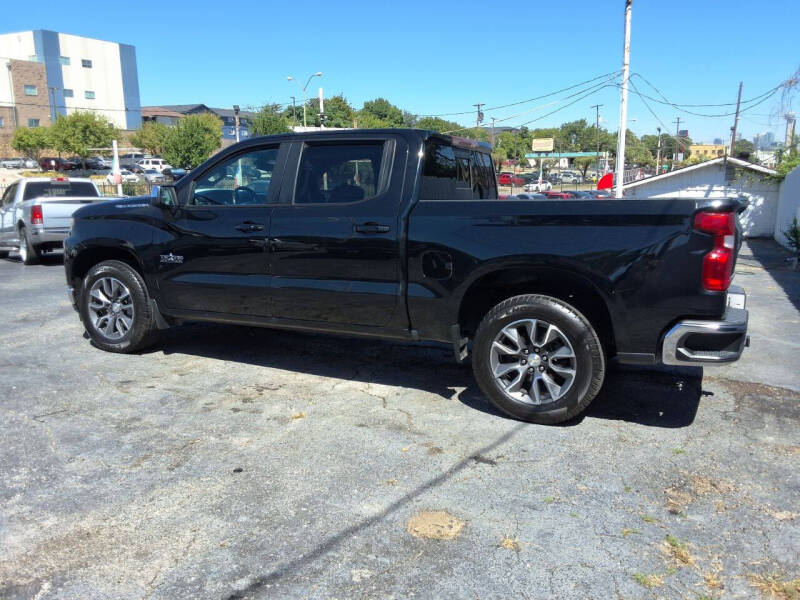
230	462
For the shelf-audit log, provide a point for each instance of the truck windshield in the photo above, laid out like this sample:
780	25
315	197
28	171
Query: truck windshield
40	189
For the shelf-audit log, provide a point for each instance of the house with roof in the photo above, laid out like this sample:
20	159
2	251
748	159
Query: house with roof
225	114
719	178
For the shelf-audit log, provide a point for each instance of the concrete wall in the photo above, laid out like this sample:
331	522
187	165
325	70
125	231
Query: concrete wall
113	76
709	182
788	204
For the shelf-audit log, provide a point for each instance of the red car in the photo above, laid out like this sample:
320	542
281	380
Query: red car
556	195
53	163
507	178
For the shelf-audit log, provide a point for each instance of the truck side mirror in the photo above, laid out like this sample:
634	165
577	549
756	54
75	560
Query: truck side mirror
163	196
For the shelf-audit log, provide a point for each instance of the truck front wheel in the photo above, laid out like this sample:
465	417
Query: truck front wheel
115	308
538	359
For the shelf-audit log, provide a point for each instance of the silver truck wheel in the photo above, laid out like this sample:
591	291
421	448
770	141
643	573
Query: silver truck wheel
533	361
27	252
538	359
111	308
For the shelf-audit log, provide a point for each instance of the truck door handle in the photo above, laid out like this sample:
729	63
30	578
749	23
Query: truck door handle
248	227
372	228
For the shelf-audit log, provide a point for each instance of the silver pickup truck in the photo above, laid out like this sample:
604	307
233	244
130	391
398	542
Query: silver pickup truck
36	213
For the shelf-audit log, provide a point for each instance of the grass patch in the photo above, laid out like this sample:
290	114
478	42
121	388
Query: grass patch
549	500
300	415
678	451
626	532
509	543
648	519
678	551
649	581
775	588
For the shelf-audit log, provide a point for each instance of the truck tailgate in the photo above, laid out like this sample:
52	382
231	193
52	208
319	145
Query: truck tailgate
57	212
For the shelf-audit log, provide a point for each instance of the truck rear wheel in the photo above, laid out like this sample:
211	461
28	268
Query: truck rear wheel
538	359
115	308
28	253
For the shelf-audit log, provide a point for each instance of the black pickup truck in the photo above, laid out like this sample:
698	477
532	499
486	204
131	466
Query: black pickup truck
400	234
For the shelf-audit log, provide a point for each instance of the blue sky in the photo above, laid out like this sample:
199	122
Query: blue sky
441	57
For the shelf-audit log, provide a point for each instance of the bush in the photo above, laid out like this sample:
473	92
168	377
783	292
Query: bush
792	235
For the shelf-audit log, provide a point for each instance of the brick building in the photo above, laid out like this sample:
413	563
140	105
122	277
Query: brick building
23	99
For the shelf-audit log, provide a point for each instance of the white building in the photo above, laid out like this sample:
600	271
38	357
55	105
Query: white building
717	178
82	74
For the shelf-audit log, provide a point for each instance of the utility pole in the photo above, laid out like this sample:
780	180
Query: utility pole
789	139
735	120
658	152
623	104
321	110
294	110
677	122
493	120
479	116
597	127
236	120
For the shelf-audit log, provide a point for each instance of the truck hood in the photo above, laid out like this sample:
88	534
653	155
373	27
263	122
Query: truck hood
111	207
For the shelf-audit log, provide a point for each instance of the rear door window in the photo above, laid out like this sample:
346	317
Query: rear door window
336	173
456	174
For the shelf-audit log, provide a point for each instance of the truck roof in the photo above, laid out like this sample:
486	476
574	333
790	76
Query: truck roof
420	134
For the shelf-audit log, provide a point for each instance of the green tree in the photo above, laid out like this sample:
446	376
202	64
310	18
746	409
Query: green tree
743	149
636	152
437	124
80	131
584	162
193	139
338	112
269	120
31	140
384	111
151	137
366	120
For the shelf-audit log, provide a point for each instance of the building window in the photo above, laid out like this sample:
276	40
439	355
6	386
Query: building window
30	90
86	63
33	122
1	123
64	60
89	95
68	93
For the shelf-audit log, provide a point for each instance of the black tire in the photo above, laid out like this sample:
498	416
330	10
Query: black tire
143	332
28	253
590	363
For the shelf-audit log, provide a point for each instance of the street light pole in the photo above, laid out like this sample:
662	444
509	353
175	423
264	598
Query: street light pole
303	89
294	111
236	120
658	151
623	104
597	127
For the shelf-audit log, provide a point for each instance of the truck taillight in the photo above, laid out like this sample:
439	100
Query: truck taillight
718	264
37	218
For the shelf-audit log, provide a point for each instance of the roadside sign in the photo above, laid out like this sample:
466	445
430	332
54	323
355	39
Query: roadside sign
542	145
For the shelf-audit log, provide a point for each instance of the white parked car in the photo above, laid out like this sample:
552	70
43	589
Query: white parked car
153	176
571	177
159	164
538	185
127	177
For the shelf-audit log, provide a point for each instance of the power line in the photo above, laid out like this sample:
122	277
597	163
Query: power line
591	90
469	112
755	101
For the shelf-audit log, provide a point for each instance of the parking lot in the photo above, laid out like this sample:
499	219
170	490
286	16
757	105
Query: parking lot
230	462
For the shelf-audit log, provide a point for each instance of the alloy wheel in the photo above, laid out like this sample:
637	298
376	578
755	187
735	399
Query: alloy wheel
533	362
111	308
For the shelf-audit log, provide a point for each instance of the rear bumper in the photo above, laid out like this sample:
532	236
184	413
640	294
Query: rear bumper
49	235
709	342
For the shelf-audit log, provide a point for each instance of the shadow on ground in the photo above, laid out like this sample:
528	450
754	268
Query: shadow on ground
657	398
773	257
